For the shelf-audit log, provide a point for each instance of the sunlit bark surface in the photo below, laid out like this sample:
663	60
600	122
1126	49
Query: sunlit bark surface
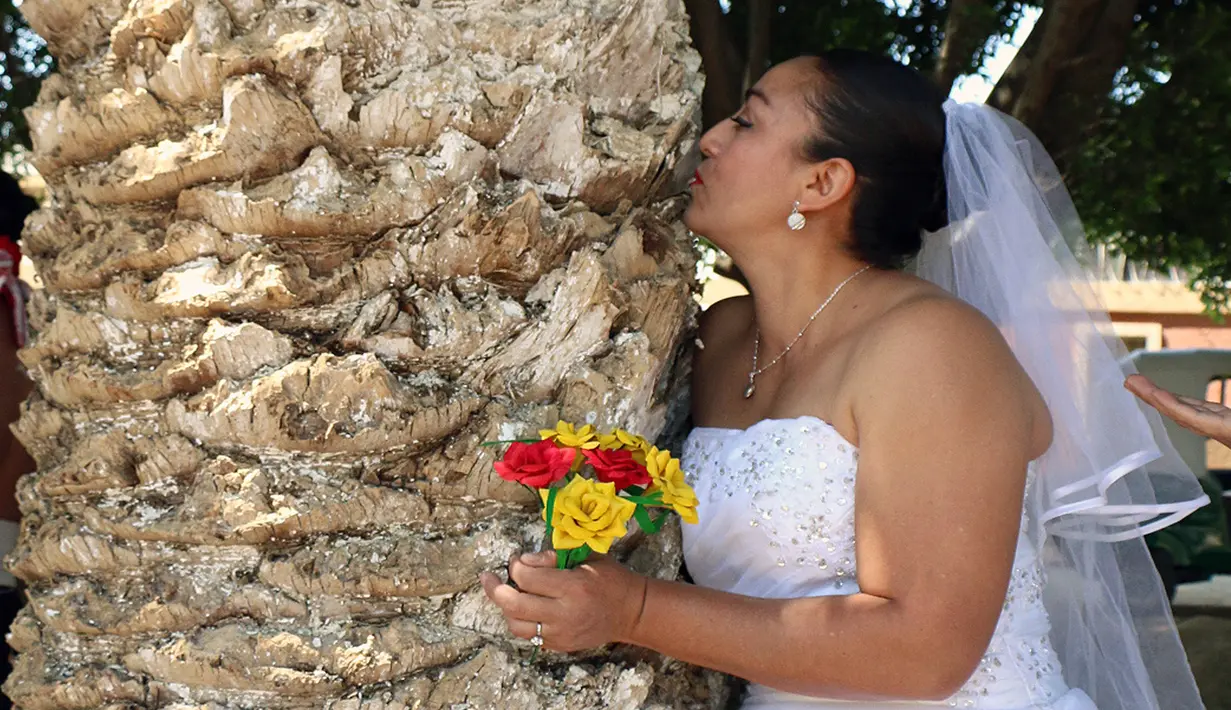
301	258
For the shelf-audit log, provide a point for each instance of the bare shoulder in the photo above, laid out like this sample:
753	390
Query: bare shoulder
932	328
932	343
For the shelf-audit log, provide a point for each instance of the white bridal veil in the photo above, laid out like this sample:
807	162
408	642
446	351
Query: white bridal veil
1012	250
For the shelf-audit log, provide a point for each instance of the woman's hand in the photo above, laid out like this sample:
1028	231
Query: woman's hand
1209	419
595	604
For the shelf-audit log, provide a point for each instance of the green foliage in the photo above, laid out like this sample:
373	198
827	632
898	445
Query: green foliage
25	61
910	31
1155	178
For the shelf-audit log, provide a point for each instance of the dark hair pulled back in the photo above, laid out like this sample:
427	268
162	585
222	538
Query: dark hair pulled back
888	120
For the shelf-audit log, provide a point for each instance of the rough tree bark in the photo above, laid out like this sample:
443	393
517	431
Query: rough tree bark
301	257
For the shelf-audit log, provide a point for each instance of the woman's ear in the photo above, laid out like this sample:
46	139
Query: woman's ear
830	182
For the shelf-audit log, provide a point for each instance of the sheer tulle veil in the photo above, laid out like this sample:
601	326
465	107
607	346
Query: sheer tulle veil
1014	249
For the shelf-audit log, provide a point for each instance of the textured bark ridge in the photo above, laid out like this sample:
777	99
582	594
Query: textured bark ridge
301	259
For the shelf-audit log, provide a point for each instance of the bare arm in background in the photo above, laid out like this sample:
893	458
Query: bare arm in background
14	388
1209	419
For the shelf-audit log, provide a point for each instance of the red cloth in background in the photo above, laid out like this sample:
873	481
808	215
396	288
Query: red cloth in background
12	297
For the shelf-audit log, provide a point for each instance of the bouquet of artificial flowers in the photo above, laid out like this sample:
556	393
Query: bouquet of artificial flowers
627	477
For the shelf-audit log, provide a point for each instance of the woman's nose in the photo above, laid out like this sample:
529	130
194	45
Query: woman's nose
710	141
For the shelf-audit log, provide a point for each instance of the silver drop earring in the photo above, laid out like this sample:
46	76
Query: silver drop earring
796	221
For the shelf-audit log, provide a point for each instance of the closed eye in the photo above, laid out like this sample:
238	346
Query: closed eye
742	122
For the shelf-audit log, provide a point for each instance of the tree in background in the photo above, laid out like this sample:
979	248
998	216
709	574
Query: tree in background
24	61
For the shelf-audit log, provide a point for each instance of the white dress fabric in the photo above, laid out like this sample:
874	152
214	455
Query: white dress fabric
776	509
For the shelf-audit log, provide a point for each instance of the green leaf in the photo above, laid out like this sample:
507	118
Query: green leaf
577	556
654	499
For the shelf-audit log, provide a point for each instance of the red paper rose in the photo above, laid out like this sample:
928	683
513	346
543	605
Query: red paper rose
536	465
618	467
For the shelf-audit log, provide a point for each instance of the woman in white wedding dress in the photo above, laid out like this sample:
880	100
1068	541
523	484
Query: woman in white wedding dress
917	487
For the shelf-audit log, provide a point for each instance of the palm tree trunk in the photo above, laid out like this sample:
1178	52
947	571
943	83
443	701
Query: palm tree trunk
301	259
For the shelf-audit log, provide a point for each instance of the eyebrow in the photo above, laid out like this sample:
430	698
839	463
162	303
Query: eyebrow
757	93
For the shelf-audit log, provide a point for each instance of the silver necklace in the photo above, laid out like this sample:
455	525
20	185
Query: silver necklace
756	348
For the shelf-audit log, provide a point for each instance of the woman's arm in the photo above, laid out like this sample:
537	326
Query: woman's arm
14	388
946	429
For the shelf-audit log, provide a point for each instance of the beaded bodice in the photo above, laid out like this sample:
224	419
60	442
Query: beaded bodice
777	521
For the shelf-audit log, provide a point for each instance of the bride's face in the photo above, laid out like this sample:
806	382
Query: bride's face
754	168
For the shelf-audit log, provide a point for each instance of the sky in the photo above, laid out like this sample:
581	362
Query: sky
977	87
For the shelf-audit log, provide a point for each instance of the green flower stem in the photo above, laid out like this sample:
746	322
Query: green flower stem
648	524
510	441
577	556
551	507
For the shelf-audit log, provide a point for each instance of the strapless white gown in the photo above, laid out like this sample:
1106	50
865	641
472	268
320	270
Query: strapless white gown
777	521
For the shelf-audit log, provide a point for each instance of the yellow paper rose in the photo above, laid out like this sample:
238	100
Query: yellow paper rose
566	435
668	479
620	439
588	513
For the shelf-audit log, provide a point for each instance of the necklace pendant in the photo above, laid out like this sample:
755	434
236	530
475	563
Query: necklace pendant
749	390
